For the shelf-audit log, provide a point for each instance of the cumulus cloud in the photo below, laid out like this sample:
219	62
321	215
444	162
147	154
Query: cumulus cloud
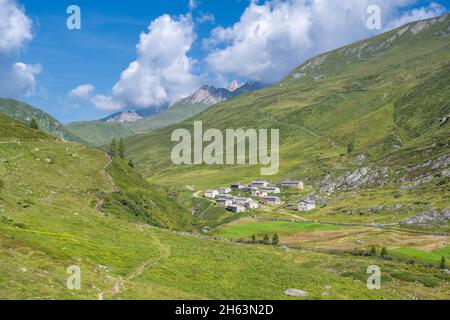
205	17
273	37
162	71
192	4
19	80
83	91
15	26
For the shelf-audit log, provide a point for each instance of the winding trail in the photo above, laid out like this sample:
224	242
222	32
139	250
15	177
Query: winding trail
119	284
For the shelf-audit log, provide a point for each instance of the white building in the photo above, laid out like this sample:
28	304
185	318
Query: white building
242	200
271	200
293	184
236	208
224	190
252	205
237	186
271	190
224	202
306	205
211	194
260	184
259	193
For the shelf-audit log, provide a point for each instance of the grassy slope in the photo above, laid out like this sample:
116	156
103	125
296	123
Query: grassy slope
25	113
379	102
98	133
49	221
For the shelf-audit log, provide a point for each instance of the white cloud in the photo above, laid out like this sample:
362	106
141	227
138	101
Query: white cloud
106	103
272	38
83	91
162	71
205	17
430	11
15	26
192	4
19	80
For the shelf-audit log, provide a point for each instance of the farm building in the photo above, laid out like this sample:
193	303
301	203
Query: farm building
224	190
242	200
260	184
306	205
293	184
226	196
271	200
252	205
259	193
237	186
271	190
224	202
211	194
236	208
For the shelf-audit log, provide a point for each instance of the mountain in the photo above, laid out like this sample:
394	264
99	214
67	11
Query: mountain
363	125
25	113
121	117
127	123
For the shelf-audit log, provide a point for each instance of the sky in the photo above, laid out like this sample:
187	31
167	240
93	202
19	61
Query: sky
136	54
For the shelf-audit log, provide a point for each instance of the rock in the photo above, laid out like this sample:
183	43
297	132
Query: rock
446	271
296	293
432	216
23	270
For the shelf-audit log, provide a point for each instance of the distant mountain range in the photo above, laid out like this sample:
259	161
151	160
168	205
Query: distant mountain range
126	123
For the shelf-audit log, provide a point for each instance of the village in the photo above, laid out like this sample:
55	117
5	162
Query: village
256	194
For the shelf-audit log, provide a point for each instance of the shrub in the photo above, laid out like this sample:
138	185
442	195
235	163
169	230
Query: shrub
275	239
443	264
384	252
34	124
373	251
266	239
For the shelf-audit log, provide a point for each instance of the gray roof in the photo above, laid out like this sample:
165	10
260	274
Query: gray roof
308	201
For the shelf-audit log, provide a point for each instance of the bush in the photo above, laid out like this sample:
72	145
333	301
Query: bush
373	252
34	124
384	252
266	239
443	264
275	239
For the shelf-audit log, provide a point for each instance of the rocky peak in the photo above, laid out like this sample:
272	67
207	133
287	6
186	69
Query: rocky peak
234	85
127	116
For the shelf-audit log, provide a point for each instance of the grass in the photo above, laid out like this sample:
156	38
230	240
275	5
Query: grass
245	230
433	257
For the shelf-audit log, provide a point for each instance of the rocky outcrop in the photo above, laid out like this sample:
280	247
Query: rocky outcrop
430	217
296	293
356	180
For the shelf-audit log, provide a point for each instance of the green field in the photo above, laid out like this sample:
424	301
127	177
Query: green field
246	230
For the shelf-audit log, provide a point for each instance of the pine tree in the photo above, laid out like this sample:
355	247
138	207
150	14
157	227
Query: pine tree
384	252
121	148
266	239
275	239
253	238
113	148
34	124
373	251
443	264
131	163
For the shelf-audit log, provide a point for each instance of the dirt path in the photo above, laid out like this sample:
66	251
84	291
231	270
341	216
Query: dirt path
105	174
119	284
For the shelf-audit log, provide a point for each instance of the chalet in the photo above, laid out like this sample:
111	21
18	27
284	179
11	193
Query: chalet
211	194
271	200
306	205
224	202
242	200
252	205
224	190
293	184
236	208
226	196
237	186
247	189
271	190
260	184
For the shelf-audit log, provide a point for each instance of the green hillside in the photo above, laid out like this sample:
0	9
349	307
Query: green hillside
386	96
63	204
25	113
98	133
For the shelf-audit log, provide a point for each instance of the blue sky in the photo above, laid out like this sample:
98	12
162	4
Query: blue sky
190	43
